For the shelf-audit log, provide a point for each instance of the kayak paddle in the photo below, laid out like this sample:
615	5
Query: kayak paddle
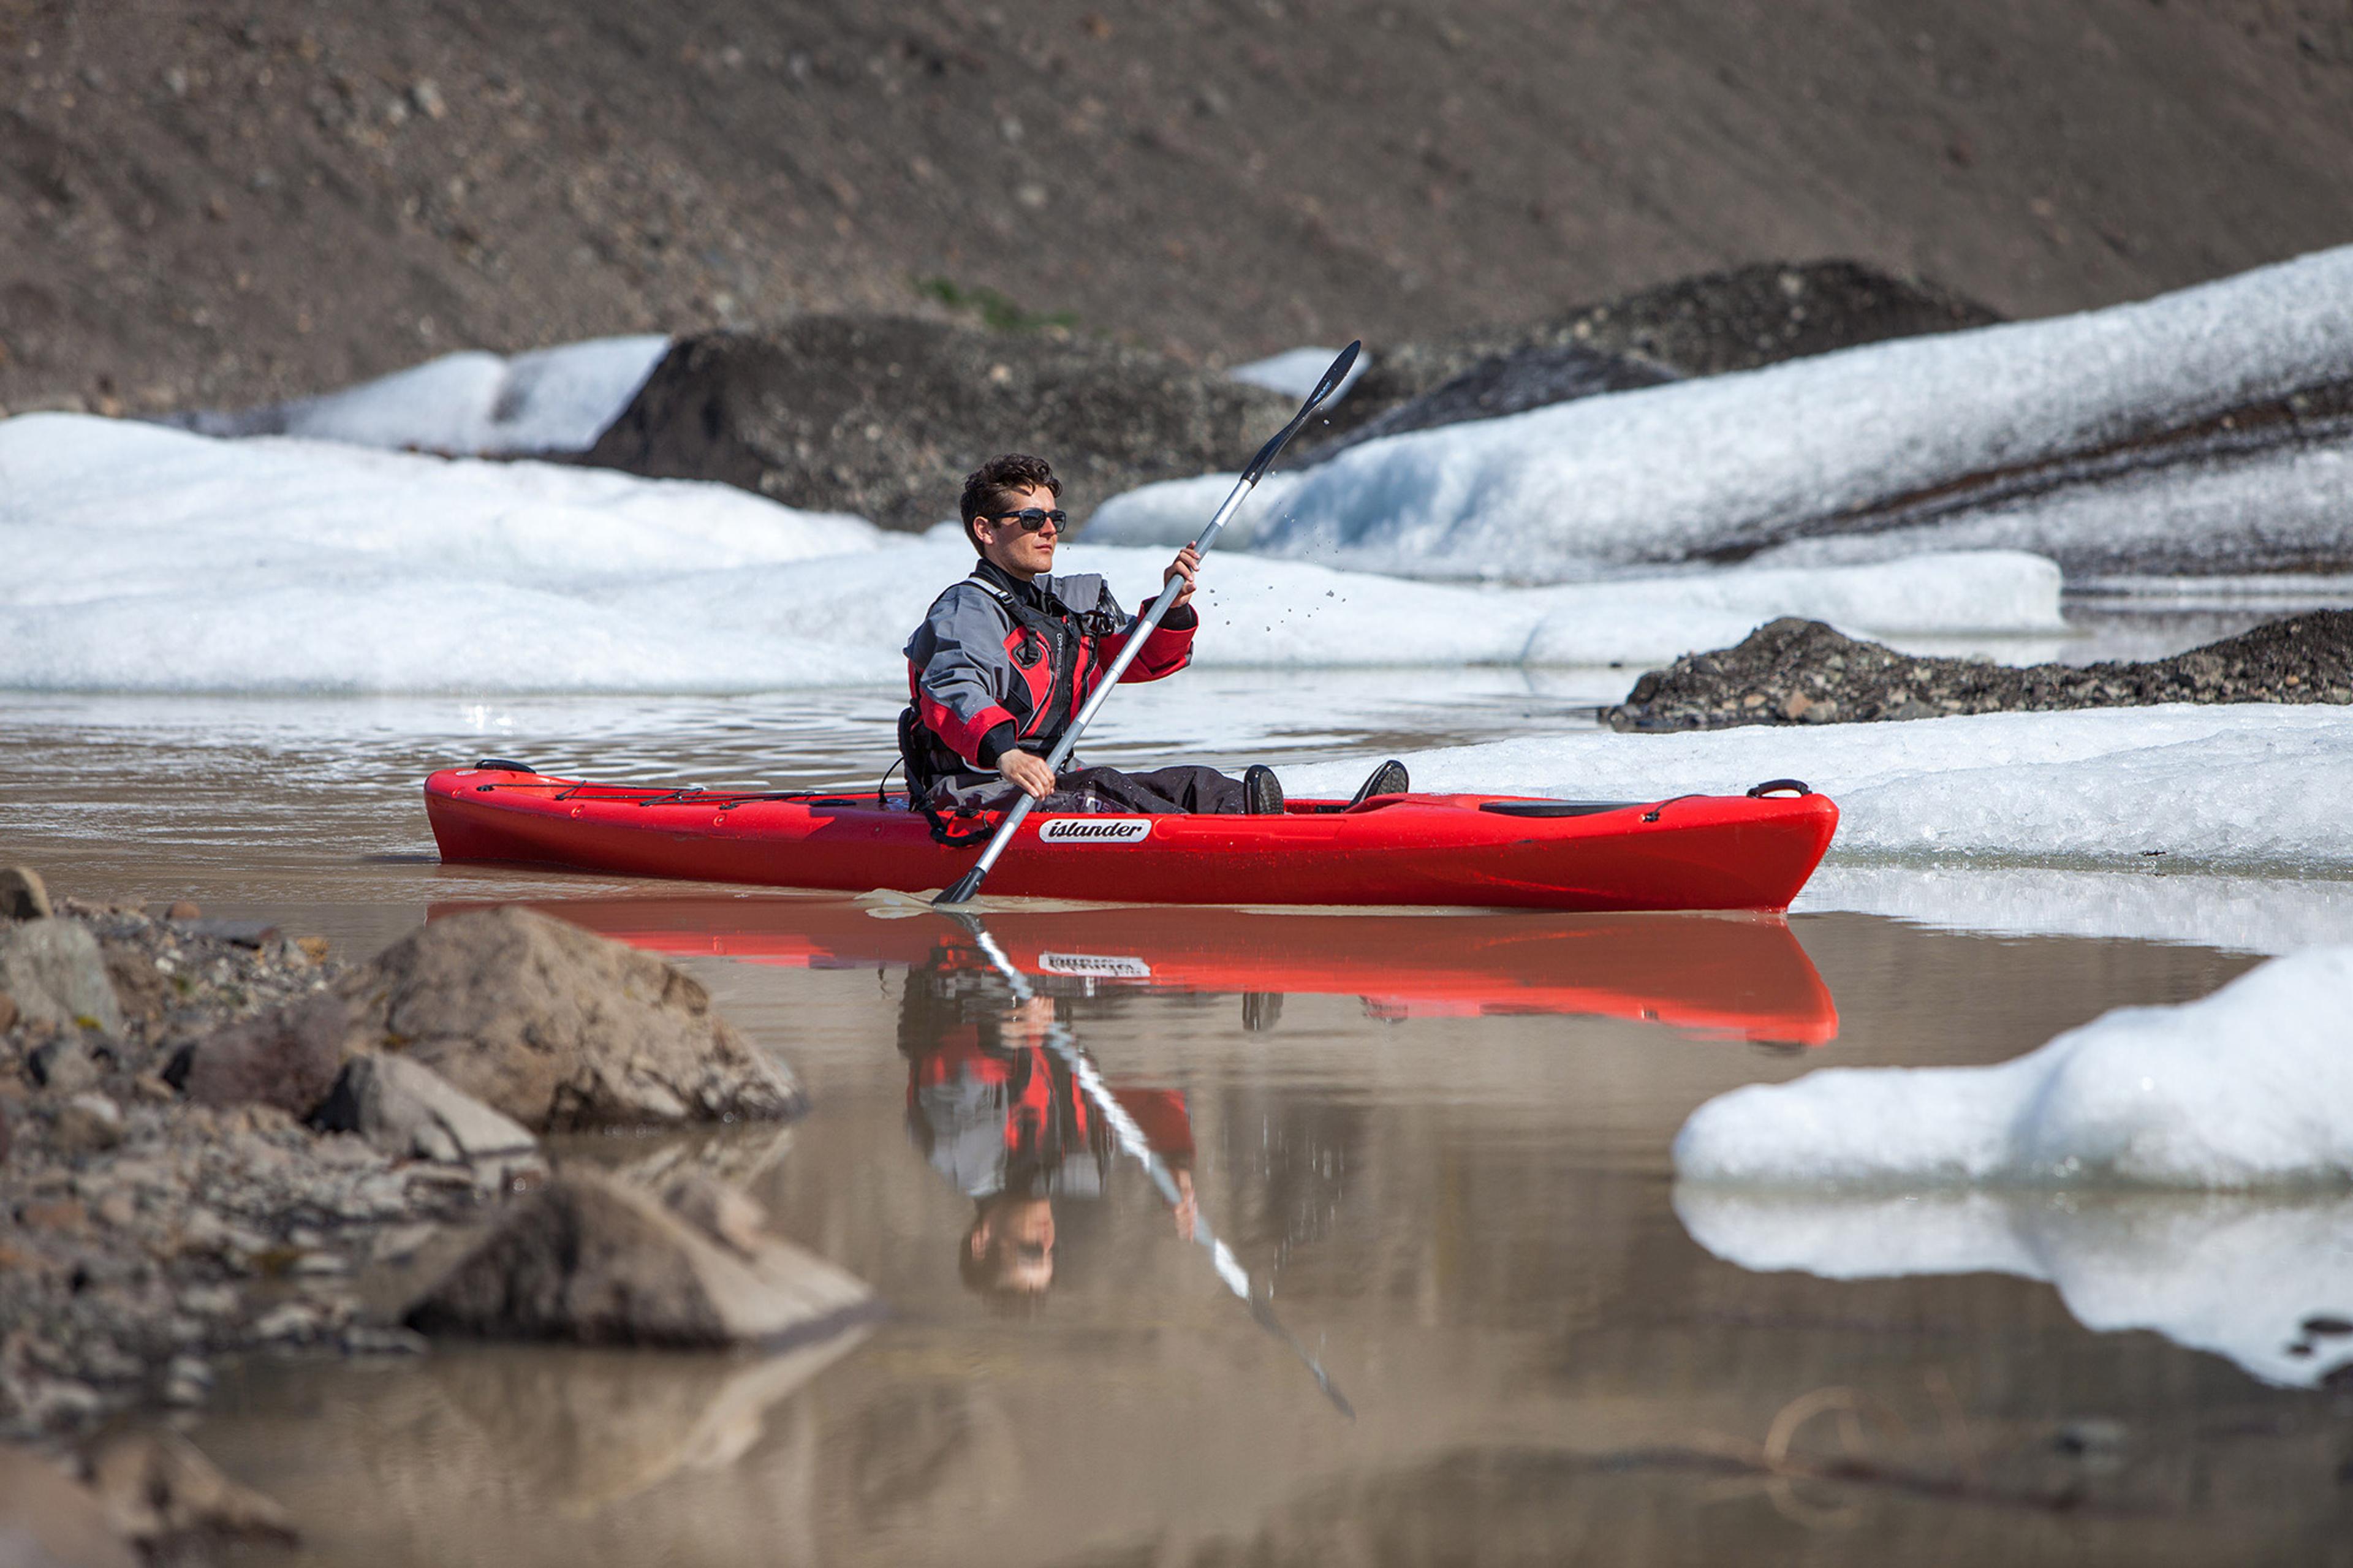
968	884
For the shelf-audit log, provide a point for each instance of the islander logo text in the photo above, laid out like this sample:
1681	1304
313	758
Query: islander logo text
1096	830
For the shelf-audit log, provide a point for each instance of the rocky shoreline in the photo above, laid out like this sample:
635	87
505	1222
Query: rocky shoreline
218	1140
1792	671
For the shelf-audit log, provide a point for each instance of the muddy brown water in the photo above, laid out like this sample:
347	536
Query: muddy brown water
1437	1143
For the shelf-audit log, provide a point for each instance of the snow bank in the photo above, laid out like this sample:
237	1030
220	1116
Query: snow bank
2238	1275
148	559
2225	787
2244	914
1667	473
145	559
554	400
1294	372
2252	1087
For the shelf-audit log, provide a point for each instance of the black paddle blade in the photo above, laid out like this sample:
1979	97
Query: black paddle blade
1336	375
965	887
1323	389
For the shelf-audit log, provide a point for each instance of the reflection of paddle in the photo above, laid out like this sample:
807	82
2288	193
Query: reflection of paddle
1131	1139
1146	624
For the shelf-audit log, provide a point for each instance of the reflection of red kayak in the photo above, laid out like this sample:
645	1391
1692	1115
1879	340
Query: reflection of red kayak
1693	852
1741	975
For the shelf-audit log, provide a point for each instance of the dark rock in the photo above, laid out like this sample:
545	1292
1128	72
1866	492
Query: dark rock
593	1261
1720	321
54	972
884	416
163	1495
183	909
23	895
7	1012
1796	672
287	1059
558	1028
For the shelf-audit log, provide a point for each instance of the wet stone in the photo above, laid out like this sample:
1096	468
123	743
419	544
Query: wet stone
23	895
1792	671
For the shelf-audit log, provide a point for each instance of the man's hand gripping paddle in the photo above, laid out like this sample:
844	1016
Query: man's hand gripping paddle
968	885
1131	1139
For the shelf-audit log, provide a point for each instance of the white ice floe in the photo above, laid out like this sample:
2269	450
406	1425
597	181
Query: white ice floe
2244	914
2240	1275
1749	461
2249	1088
2231	787
149	559
552	400
2182	1168
1294	372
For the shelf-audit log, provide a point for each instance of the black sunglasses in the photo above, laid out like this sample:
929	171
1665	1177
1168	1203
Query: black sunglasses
1032	520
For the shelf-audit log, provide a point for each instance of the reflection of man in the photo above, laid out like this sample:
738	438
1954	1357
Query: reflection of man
996	1111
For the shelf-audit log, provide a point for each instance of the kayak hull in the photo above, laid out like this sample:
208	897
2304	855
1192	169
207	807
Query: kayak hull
1693	852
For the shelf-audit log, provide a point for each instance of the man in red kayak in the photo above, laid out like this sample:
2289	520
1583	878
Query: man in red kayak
1005	660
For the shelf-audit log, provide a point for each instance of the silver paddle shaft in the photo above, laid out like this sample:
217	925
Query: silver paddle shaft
1145	625
1132	1141
1124	1128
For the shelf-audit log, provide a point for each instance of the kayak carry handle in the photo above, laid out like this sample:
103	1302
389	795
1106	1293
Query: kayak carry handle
1780	786
501	765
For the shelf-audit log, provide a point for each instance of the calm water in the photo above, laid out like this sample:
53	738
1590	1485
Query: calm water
1437	1144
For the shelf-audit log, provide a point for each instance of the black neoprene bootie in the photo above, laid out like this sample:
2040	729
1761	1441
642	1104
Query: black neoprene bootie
1262	791
1389	778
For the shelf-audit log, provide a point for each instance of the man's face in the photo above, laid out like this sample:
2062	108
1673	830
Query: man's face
1012	548
1021	1234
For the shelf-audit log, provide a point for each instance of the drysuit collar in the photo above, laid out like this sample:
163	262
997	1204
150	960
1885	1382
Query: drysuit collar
1033	594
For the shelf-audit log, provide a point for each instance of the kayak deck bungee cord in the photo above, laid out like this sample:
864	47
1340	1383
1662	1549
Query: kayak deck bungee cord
1751	851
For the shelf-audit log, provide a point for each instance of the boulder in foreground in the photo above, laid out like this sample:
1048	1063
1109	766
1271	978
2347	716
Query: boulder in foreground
592	1261
559	1028
1792	671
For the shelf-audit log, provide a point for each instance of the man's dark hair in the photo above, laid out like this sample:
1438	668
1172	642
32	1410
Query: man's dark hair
990	487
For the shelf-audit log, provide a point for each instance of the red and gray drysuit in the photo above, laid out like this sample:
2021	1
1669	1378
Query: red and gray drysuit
999	663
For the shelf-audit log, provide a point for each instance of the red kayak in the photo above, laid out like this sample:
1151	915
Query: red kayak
1687	852
1736	976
